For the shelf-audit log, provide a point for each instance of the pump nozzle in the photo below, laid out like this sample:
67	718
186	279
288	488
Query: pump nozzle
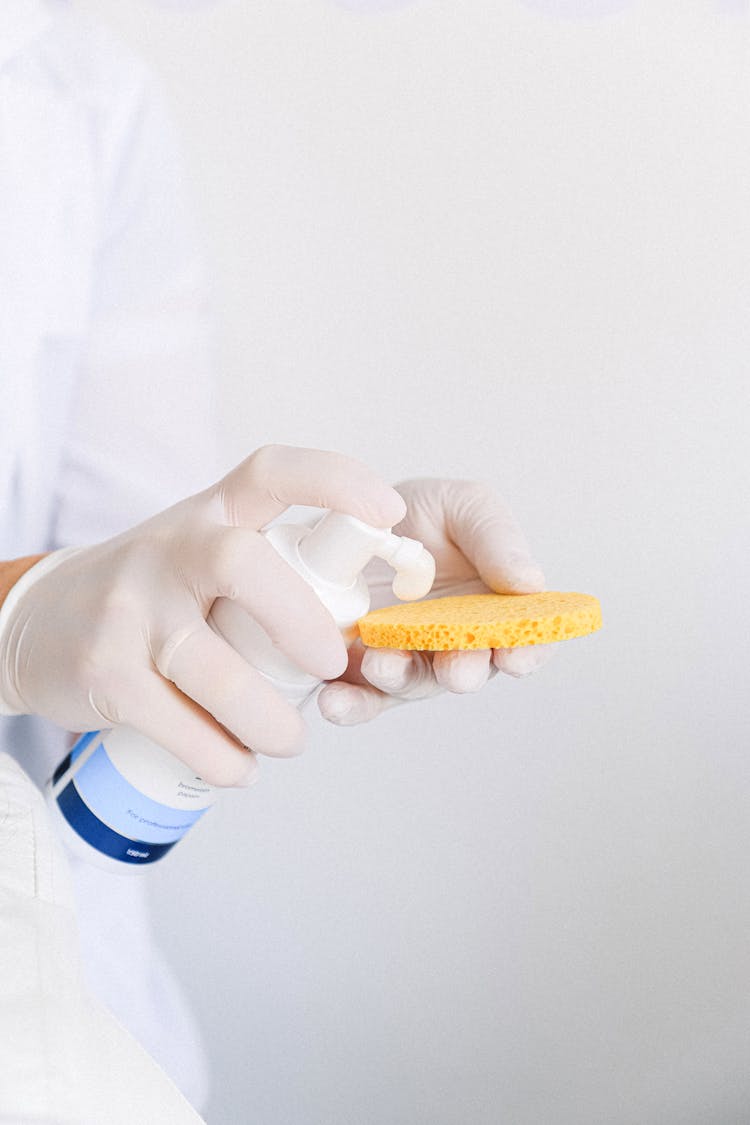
339	547
413	563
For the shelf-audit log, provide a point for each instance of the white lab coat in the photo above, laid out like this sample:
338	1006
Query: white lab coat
107	391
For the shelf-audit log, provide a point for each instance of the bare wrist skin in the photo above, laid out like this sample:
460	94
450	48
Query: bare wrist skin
11	571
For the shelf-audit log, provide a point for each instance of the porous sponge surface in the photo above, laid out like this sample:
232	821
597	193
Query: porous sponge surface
482	621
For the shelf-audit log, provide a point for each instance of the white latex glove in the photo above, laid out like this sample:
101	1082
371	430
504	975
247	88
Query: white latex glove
117	633
478	548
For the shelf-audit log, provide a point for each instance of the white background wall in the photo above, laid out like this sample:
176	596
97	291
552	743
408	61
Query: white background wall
470	238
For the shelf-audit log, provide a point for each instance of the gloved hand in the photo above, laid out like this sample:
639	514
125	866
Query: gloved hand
478	548
117	633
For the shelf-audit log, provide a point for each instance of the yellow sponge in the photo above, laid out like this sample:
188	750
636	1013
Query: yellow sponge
482	621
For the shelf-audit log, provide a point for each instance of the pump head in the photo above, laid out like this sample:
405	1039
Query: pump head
339	547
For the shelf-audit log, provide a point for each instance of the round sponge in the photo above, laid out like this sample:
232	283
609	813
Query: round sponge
482	621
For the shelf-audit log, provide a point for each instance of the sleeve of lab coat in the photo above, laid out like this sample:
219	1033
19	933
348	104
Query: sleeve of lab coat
142	428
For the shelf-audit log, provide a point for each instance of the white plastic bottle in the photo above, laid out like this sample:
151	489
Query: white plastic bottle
120	800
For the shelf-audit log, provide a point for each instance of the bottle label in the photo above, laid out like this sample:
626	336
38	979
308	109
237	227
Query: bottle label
113	816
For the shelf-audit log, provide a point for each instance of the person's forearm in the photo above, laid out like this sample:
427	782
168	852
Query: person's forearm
11	571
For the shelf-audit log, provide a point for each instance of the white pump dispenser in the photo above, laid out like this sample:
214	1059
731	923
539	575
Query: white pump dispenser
120	800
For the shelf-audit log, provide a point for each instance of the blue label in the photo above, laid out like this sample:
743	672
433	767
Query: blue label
122	808
81	819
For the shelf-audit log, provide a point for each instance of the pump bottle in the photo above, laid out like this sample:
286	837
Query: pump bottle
120	800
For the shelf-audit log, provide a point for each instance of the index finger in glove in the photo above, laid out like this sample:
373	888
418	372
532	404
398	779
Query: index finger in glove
158	709
277	476
242	566
209	671
483	527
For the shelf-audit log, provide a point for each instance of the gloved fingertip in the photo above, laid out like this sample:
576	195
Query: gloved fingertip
333	668
251	774
521	662
527	577
514	574
462	673
397	508
238	770
333	662
347	705
336	704
389	670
